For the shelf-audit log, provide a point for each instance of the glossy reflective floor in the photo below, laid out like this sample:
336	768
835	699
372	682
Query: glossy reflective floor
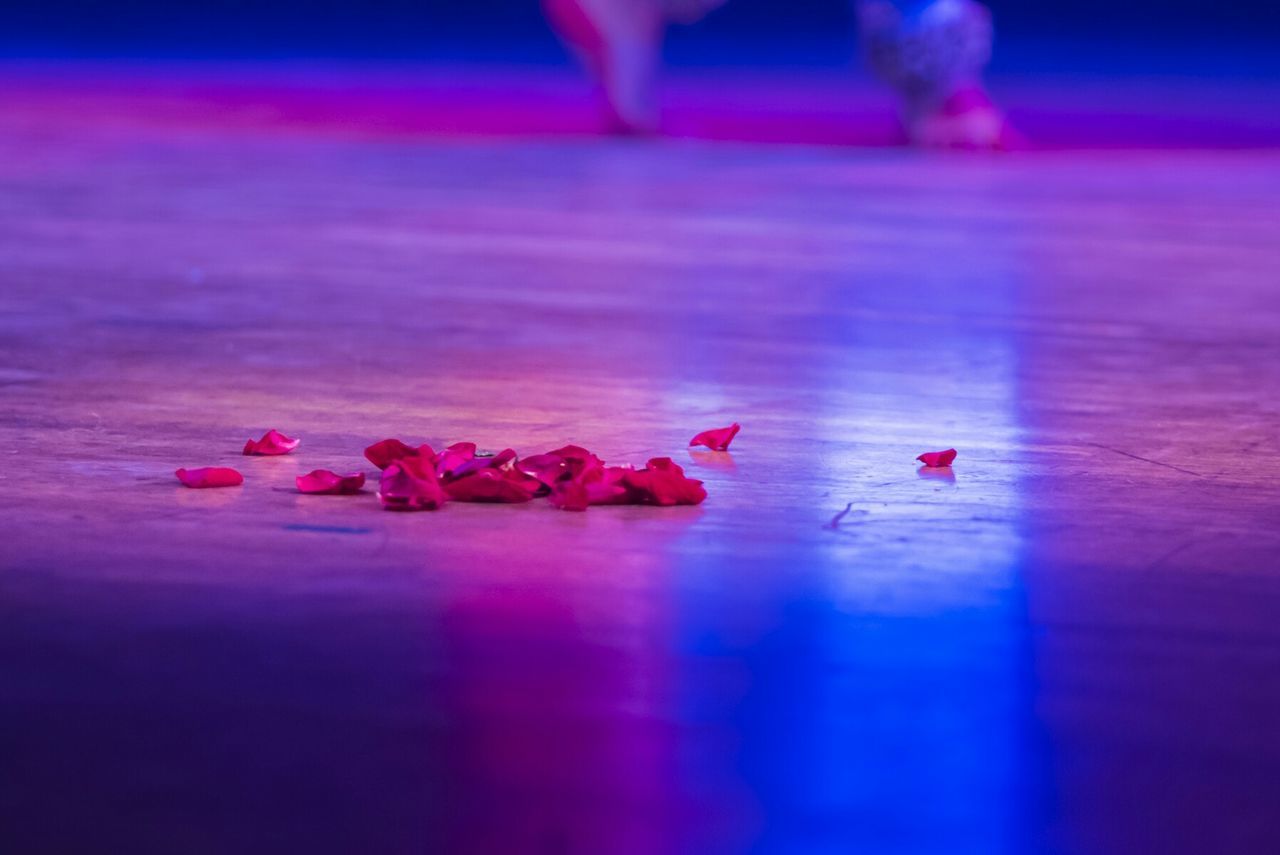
1068	643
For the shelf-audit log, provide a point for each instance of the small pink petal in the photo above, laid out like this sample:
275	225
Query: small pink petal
324	482
717	439
210	476
937	459
273	442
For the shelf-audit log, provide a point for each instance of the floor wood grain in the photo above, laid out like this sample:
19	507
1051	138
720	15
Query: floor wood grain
1068	643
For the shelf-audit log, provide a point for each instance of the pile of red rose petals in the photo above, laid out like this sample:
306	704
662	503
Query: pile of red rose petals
418	478
571	478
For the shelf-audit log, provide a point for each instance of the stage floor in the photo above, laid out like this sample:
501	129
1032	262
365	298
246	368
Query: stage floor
1069	643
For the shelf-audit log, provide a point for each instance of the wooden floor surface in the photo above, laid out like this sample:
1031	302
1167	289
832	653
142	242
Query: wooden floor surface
1069	643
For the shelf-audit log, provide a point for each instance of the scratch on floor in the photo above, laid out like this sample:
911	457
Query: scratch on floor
1147	460
834	525
327	529
1165	556
835	521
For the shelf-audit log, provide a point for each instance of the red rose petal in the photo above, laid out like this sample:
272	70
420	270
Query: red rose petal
547	468
493	485
580	462
502	460
936	459
273	442
210	476
324	482
569	462
663	482
576	454
717	439
410	484
487	479
569	496
455	456
609	486
597	485
382	454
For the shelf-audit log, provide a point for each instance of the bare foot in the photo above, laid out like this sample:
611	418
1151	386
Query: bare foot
933	58
968	119
620	43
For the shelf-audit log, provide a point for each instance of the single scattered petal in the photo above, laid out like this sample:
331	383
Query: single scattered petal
717	439
663	482
383	454
936	459
411	484
273	442
210	476
324	482
493	485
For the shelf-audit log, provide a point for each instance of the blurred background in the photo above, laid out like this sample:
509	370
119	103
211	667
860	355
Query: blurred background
1177	73
1137	35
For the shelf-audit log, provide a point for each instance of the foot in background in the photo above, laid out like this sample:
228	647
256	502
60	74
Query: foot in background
933	59
620	44
966	119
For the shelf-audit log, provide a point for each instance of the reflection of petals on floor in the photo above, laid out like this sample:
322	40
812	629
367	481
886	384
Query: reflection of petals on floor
937	473
722	460
220	497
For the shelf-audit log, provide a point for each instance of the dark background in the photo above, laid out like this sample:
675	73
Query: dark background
1179	35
